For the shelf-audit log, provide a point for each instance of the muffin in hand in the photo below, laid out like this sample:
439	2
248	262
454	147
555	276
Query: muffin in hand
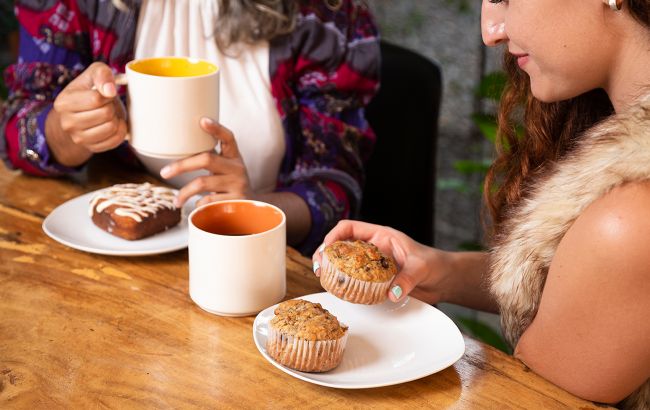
304	336
357	272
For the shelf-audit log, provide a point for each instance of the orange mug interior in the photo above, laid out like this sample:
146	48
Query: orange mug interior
237	218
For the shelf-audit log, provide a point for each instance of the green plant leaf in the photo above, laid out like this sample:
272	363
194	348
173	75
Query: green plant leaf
492	85
468	167
484	333
487	124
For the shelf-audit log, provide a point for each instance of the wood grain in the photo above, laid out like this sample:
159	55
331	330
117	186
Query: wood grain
85	330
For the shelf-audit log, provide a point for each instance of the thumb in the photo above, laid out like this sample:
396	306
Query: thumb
102	79
402	285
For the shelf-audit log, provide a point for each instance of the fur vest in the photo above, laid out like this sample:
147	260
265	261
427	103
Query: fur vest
610	154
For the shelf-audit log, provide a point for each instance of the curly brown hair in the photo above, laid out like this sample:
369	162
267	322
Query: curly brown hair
247	21
550	130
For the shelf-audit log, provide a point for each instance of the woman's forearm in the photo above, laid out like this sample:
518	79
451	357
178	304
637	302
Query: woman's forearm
296	210
467	283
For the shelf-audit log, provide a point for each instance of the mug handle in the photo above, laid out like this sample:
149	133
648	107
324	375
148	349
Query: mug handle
120	79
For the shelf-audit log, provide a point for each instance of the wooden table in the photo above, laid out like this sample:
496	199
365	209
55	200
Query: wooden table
85	330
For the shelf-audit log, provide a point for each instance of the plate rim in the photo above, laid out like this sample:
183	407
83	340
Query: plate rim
305	376
100	251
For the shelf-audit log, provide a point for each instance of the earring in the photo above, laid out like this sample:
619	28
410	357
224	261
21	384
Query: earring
615	5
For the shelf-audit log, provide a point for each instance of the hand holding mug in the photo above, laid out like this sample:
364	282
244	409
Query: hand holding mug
422	270
89	111
228	177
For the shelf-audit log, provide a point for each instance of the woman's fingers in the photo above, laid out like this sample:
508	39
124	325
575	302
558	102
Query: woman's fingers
87	111
112	141
347	229
405	281
209	161
219	187
205	160
214	197
224	135
195	187
352	230
79	121
99	77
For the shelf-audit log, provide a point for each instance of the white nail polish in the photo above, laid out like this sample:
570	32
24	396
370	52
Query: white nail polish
315	266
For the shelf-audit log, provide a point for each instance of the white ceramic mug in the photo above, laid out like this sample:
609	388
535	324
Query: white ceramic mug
237	252
167	97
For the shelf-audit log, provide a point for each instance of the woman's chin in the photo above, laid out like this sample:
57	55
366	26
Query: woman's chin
547	93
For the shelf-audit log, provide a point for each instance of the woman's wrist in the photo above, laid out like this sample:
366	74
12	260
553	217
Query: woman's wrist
63	149
442	265
466	282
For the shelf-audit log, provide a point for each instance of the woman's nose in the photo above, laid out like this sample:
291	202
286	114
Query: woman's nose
493	26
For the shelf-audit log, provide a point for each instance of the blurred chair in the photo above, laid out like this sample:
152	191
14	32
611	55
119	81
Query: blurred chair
400	174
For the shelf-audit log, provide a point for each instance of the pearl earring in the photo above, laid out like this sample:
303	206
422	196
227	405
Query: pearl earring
614	4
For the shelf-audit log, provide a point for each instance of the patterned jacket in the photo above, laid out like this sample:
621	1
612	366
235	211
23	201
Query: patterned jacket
322	76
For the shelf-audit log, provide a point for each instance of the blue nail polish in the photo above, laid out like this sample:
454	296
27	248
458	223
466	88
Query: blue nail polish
396	291
315	266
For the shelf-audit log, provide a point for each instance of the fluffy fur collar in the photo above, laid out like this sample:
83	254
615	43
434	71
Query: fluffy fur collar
610	154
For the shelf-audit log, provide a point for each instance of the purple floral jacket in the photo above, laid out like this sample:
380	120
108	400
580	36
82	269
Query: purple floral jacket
322	76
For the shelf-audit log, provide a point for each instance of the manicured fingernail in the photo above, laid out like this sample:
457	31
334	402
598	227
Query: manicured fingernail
396	291
108	89
321	249
164	172
208	121
315	266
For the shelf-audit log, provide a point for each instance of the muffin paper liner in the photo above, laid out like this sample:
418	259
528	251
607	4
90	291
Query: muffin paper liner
305	355
348	288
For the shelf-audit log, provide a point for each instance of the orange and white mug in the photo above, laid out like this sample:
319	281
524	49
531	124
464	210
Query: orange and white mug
237	256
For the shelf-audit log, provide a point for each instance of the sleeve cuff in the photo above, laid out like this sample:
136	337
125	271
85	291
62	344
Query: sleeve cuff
37	151
327	206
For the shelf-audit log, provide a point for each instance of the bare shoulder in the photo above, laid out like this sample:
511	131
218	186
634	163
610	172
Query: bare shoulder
592	319
605	255
615	229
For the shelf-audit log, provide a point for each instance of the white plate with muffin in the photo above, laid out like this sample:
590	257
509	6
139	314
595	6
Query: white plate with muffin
353	336
387	343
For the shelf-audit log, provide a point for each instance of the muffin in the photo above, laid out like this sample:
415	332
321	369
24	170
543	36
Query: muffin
357	272
134	211
304	336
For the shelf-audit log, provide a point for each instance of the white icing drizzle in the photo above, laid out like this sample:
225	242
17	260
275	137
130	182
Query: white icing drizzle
135	201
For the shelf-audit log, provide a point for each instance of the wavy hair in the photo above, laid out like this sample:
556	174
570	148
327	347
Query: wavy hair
247	21
550	130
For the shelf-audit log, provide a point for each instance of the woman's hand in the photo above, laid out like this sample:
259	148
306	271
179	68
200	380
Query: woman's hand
422	271
87	117
228	178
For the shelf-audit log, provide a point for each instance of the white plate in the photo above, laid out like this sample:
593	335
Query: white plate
388	343
70	224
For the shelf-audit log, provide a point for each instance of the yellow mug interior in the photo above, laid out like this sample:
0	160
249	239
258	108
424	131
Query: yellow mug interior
173	67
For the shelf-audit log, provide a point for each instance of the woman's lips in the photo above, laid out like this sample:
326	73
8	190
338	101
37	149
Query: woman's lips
522	59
